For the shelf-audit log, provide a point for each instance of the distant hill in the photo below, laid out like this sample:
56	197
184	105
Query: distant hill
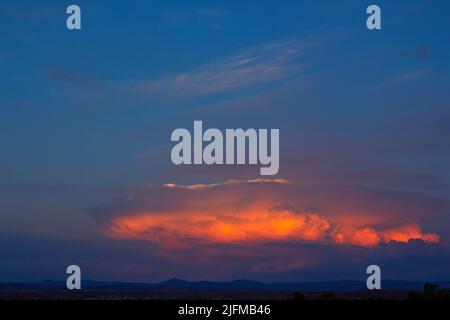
236	285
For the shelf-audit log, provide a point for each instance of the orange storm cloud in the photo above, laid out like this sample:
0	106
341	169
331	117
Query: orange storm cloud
244	226
255	211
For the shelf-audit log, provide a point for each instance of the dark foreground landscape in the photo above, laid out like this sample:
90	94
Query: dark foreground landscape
234	290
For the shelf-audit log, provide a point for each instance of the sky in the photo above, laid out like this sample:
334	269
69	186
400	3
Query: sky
86	116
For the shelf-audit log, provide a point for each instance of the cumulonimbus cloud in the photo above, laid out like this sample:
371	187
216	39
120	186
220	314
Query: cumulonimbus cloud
255	212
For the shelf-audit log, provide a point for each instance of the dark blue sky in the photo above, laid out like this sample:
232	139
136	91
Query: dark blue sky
86	117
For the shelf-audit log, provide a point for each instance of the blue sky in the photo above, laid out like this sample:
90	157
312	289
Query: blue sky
86	118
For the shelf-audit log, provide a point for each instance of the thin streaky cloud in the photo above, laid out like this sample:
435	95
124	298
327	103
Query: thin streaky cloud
67	78
263	64
405	77
211	13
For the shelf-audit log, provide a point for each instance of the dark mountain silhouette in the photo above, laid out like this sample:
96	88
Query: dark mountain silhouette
241	284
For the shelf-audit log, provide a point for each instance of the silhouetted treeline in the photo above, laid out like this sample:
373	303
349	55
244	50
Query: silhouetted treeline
430	292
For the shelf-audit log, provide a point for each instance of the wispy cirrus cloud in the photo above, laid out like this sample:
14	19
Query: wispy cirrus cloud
259	65
182	16
212	12
418	52
405	77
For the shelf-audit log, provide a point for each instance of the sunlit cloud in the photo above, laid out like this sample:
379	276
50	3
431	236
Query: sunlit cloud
256	212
